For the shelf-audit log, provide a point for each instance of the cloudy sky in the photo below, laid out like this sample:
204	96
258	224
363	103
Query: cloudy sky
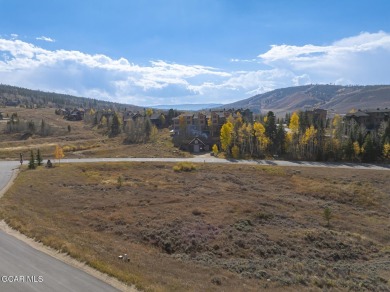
191	51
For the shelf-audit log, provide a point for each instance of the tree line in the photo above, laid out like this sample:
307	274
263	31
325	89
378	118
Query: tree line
304	139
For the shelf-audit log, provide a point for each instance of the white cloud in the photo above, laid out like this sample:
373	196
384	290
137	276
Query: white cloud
361	59
46	39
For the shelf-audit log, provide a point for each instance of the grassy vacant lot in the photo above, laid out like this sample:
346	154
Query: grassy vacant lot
82	141
230	228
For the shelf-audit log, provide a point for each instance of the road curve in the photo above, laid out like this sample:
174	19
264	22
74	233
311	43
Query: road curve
24	268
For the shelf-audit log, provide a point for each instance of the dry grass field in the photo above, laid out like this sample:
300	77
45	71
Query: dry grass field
212	227
81	142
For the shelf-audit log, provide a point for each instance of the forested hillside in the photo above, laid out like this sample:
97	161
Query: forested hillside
11	95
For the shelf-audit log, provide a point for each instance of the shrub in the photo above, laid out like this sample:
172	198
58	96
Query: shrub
184	166
196	212
327	215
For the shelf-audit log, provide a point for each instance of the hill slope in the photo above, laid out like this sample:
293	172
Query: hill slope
17	95
337	97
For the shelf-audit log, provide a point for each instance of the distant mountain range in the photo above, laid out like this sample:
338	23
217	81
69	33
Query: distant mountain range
339	98
188	107
12	95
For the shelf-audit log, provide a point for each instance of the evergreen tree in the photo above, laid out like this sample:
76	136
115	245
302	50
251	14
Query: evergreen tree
147	127
31	163
115	125
369	153
280	140
39	158
271	130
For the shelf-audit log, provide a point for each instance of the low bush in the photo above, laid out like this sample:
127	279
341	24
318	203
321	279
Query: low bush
184	166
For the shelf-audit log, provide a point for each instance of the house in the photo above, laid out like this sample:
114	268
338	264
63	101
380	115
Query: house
209	123
317	116
196	145
156	119
77	114
12	103
370	118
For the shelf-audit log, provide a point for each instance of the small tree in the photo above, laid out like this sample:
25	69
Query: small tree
215	149
235	151
31	163
59	153
119	181
327	215
39	158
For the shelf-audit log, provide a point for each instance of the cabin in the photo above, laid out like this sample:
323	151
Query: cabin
196	145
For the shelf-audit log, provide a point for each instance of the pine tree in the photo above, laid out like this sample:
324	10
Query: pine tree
271	130
115	125
39	158
31	163
369	154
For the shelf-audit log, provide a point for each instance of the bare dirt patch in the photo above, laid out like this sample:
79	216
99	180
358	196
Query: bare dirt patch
216	227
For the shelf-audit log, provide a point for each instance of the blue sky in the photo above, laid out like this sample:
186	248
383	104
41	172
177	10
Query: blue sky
172	52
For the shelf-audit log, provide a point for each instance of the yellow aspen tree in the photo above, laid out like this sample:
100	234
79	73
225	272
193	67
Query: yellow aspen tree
308	141
153	134
294	127
356	148
59	153
294	123
235	151
215	149
262	140
226	136
386	150
248	132
149	112
103	121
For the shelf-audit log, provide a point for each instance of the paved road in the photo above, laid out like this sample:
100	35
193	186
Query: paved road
6	172
46	274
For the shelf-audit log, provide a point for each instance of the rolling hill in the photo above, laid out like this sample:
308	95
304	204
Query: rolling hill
339	98
12	95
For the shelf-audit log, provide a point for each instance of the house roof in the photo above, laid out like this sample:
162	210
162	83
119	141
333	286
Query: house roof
357	114
155	116
196	139
378	110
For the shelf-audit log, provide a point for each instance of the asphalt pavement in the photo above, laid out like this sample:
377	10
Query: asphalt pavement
25	269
